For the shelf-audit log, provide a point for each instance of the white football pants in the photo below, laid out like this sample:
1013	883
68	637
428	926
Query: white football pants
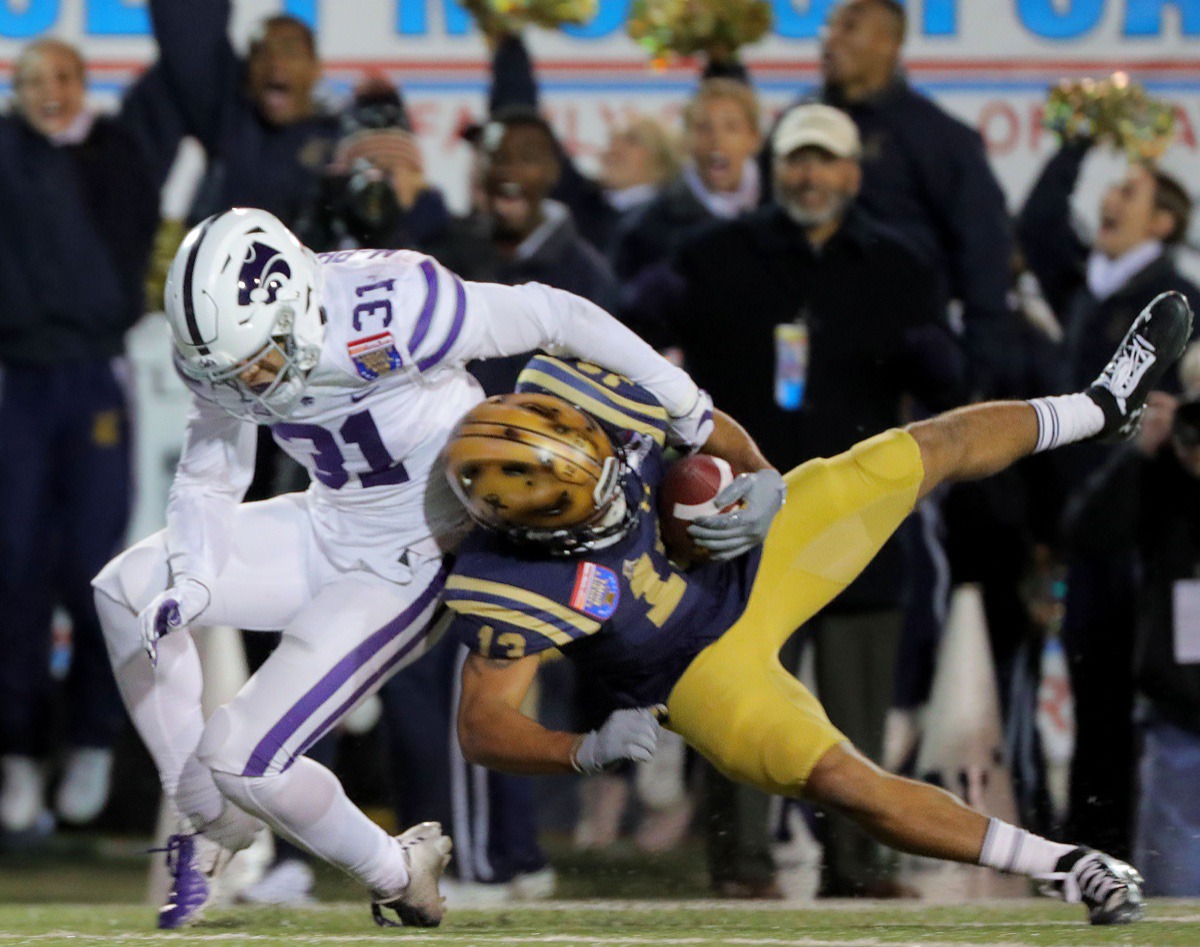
344	634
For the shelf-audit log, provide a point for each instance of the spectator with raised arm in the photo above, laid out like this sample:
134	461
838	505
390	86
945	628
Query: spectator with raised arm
266	136
79	200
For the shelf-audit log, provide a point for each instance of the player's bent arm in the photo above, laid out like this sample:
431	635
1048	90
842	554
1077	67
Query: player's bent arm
214	471
731	442
533	316
494	733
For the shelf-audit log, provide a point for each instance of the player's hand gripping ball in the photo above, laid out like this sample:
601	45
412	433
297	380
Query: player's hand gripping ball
688	491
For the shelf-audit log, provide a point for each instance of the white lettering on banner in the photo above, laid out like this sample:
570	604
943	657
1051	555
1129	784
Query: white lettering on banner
989	63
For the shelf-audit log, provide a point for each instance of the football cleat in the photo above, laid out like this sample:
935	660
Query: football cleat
1152	344
420	903
191	884
1110	888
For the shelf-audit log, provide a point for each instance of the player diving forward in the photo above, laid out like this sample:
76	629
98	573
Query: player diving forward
570	558
355	361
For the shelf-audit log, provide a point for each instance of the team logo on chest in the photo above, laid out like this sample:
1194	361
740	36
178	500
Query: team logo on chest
374	355
597	591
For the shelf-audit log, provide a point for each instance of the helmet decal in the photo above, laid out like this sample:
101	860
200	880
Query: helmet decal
264	272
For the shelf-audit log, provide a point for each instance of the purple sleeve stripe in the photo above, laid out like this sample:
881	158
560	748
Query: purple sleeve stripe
425	319
336	678
460	312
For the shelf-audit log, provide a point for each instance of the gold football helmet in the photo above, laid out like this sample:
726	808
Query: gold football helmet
538	469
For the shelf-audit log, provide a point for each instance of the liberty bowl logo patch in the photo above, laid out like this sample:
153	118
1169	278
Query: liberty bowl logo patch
374	355
597	591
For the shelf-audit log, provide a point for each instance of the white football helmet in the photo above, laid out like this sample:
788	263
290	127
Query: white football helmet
240	286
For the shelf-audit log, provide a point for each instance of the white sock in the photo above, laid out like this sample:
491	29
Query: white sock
1065	419
210	812
307	805
1007	848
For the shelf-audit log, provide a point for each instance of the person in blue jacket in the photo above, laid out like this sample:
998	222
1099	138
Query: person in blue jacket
266	137
79	199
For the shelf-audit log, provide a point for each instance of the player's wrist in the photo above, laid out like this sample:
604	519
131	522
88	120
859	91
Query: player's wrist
576	748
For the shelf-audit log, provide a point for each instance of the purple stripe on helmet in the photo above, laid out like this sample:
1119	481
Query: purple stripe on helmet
431	297
350	701
460	312
336	678
189	304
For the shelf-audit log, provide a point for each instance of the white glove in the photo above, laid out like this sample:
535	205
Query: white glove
737	531
179	605
693	429
625	735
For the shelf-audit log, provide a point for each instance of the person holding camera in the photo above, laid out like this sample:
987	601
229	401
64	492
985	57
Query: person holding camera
1147	499
374	192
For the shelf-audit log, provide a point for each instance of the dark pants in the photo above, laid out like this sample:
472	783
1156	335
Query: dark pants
64	506
492	815
1099	646
855	670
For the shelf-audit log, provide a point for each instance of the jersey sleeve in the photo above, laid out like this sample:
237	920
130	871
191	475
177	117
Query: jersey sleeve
214	471
613	399
509	320
498	620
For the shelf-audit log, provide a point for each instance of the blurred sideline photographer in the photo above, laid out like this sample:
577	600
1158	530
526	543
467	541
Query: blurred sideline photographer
374	192
79	204
1147	498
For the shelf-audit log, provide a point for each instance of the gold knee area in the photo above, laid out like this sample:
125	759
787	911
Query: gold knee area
752	720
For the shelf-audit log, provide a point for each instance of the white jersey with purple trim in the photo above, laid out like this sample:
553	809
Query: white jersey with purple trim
388	388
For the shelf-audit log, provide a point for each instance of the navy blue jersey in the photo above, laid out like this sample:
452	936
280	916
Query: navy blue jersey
625	614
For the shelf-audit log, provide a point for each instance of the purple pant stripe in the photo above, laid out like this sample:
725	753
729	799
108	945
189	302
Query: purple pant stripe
336	678
387	668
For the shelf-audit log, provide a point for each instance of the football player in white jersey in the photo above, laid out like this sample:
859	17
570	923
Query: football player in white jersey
355	361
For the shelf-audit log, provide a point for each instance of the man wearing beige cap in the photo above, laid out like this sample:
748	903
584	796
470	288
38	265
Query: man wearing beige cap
810	322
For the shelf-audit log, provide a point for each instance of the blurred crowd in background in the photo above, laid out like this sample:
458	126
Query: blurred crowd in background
825	274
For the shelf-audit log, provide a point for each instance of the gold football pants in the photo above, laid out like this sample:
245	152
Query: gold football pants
736	703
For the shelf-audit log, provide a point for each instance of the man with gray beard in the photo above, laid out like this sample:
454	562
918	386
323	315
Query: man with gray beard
810	323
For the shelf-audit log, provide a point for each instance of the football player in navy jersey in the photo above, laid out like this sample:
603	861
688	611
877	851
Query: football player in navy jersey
570	557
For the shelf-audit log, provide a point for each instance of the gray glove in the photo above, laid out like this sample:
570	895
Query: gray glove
625	735
728	535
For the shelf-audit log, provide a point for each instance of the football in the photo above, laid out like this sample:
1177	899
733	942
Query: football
687	492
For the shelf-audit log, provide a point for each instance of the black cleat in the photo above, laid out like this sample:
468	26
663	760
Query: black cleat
1111	889
1155	340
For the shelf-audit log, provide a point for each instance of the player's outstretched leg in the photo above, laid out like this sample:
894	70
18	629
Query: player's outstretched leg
924	820
983	439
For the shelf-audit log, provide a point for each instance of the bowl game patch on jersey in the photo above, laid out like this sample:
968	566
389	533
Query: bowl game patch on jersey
597	591
374	355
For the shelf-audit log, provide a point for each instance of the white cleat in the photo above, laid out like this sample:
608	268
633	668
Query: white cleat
86	781
420	903
23	793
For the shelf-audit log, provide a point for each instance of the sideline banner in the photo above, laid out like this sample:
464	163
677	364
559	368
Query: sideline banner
987	62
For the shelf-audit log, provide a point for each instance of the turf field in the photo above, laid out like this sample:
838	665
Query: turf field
80	890
616	923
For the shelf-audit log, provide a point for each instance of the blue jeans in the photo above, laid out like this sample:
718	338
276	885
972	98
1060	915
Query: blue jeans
1167	850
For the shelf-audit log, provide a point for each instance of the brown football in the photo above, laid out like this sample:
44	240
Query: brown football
687	492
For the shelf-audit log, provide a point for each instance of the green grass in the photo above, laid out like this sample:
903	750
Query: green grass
79	891
616	923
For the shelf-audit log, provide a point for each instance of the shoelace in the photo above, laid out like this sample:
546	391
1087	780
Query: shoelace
173	847
1097	882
